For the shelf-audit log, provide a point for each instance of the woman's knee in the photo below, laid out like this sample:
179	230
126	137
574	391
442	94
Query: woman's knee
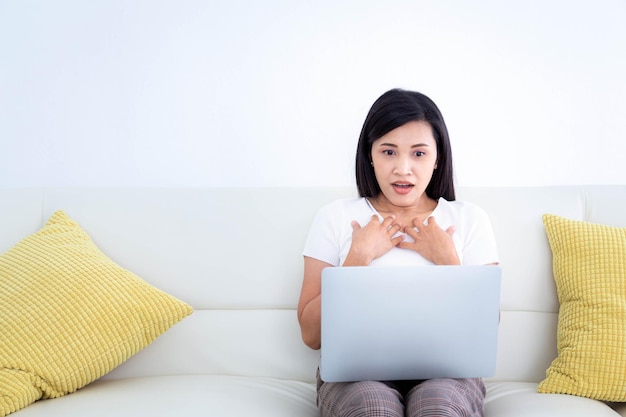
447	397
360	399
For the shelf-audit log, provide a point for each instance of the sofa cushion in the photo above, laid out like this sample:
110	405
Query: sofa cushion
589	263
69	314
184	395
521	399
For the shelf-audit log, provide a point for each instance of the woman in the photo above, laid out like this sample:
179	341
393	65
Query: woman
406	215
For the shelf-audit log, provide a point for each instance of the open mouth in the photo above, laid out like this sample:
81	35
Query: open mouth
402	187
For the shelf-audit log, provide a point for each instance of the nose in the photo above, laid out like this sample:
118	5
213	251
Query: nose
403	167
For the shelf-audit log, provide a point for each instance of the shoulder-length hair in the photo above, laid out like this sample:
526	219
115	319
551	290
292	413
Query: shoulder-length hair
391	110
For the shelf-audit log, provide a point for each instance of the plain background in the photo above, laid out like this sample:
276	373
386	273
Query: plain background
274	93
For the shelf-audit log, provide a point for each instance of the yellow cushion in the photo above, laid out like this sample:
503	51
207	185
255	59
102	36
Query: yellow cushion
589	262
69	314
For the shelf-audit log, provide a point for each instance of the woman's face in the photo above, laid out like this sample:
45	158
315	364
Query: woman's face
404	160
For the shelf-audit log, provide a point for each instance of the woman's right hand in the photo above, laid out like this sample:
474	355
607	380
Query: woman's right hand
373	240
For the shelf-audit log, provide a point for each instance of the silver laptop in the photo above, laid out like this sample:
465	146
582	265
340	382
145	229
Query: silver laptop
400	323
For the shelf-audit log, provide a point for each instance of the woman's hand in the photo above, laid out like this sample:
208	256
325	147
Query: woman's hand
372	240
432	242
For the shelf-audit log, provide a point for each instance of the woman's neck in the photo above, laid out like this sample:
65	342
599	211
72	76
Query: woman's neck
422	207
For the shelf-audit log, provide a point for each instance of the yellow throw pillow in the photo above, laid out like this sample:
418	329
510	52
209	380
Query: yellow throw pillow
69	314
589	262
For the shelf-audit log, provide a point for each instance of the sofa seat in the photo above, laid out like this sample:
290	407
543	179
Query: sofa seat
521	399
184	395
225	396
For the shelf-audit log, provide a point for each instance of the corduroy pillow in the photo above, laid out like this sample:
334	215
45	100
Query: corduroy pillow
589	262
69	314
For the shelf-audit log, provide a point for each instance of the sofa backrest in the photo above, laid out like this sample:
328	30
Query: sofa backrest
528	326
234	254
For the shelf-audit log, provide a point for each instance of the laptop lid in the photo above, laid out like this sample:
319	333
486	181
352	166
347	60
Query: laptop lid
400	323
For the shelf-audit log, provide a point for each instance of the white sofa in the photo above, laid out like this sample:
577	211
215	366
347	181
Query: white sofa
234	254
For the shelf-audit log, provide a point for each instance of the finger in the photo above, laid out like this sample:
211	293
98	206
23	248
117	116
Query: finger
405	245
393	229
355	225
388	221
396	241
411	232
418	224
450	230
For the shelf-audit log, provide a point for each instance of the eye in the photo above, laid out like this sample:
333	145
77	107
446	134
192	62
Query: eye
419	153
388	152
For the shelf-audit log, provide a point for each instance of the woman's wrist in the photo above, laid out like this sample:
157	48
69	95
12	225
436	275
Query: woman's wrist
356	258
450	260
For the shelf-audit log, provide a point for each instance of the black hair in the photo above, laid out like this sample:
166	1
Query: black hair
391	110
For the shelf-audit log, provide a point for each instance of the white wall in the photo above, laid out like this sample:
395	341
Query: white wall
274	92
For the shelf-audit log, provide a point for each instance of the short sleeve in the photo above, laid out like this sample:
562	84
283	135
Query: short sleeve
479	246
322	242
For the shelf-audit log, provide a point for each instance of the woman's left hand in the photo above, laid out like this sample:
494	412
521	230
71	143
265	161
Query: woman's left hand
432	242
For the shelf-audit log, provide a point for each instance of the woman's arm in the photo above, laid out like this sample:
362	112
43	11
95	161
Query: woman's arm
309	306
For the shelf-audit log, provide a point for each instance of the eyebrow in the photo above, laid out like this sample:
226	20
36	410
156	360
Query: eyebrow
417	145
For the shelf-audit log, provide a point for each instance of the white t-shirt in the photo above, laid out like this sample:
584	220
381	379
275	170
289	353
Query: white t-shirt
330	235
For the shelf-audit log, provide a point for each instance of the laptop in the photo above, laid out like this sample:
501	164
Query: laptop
407	323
